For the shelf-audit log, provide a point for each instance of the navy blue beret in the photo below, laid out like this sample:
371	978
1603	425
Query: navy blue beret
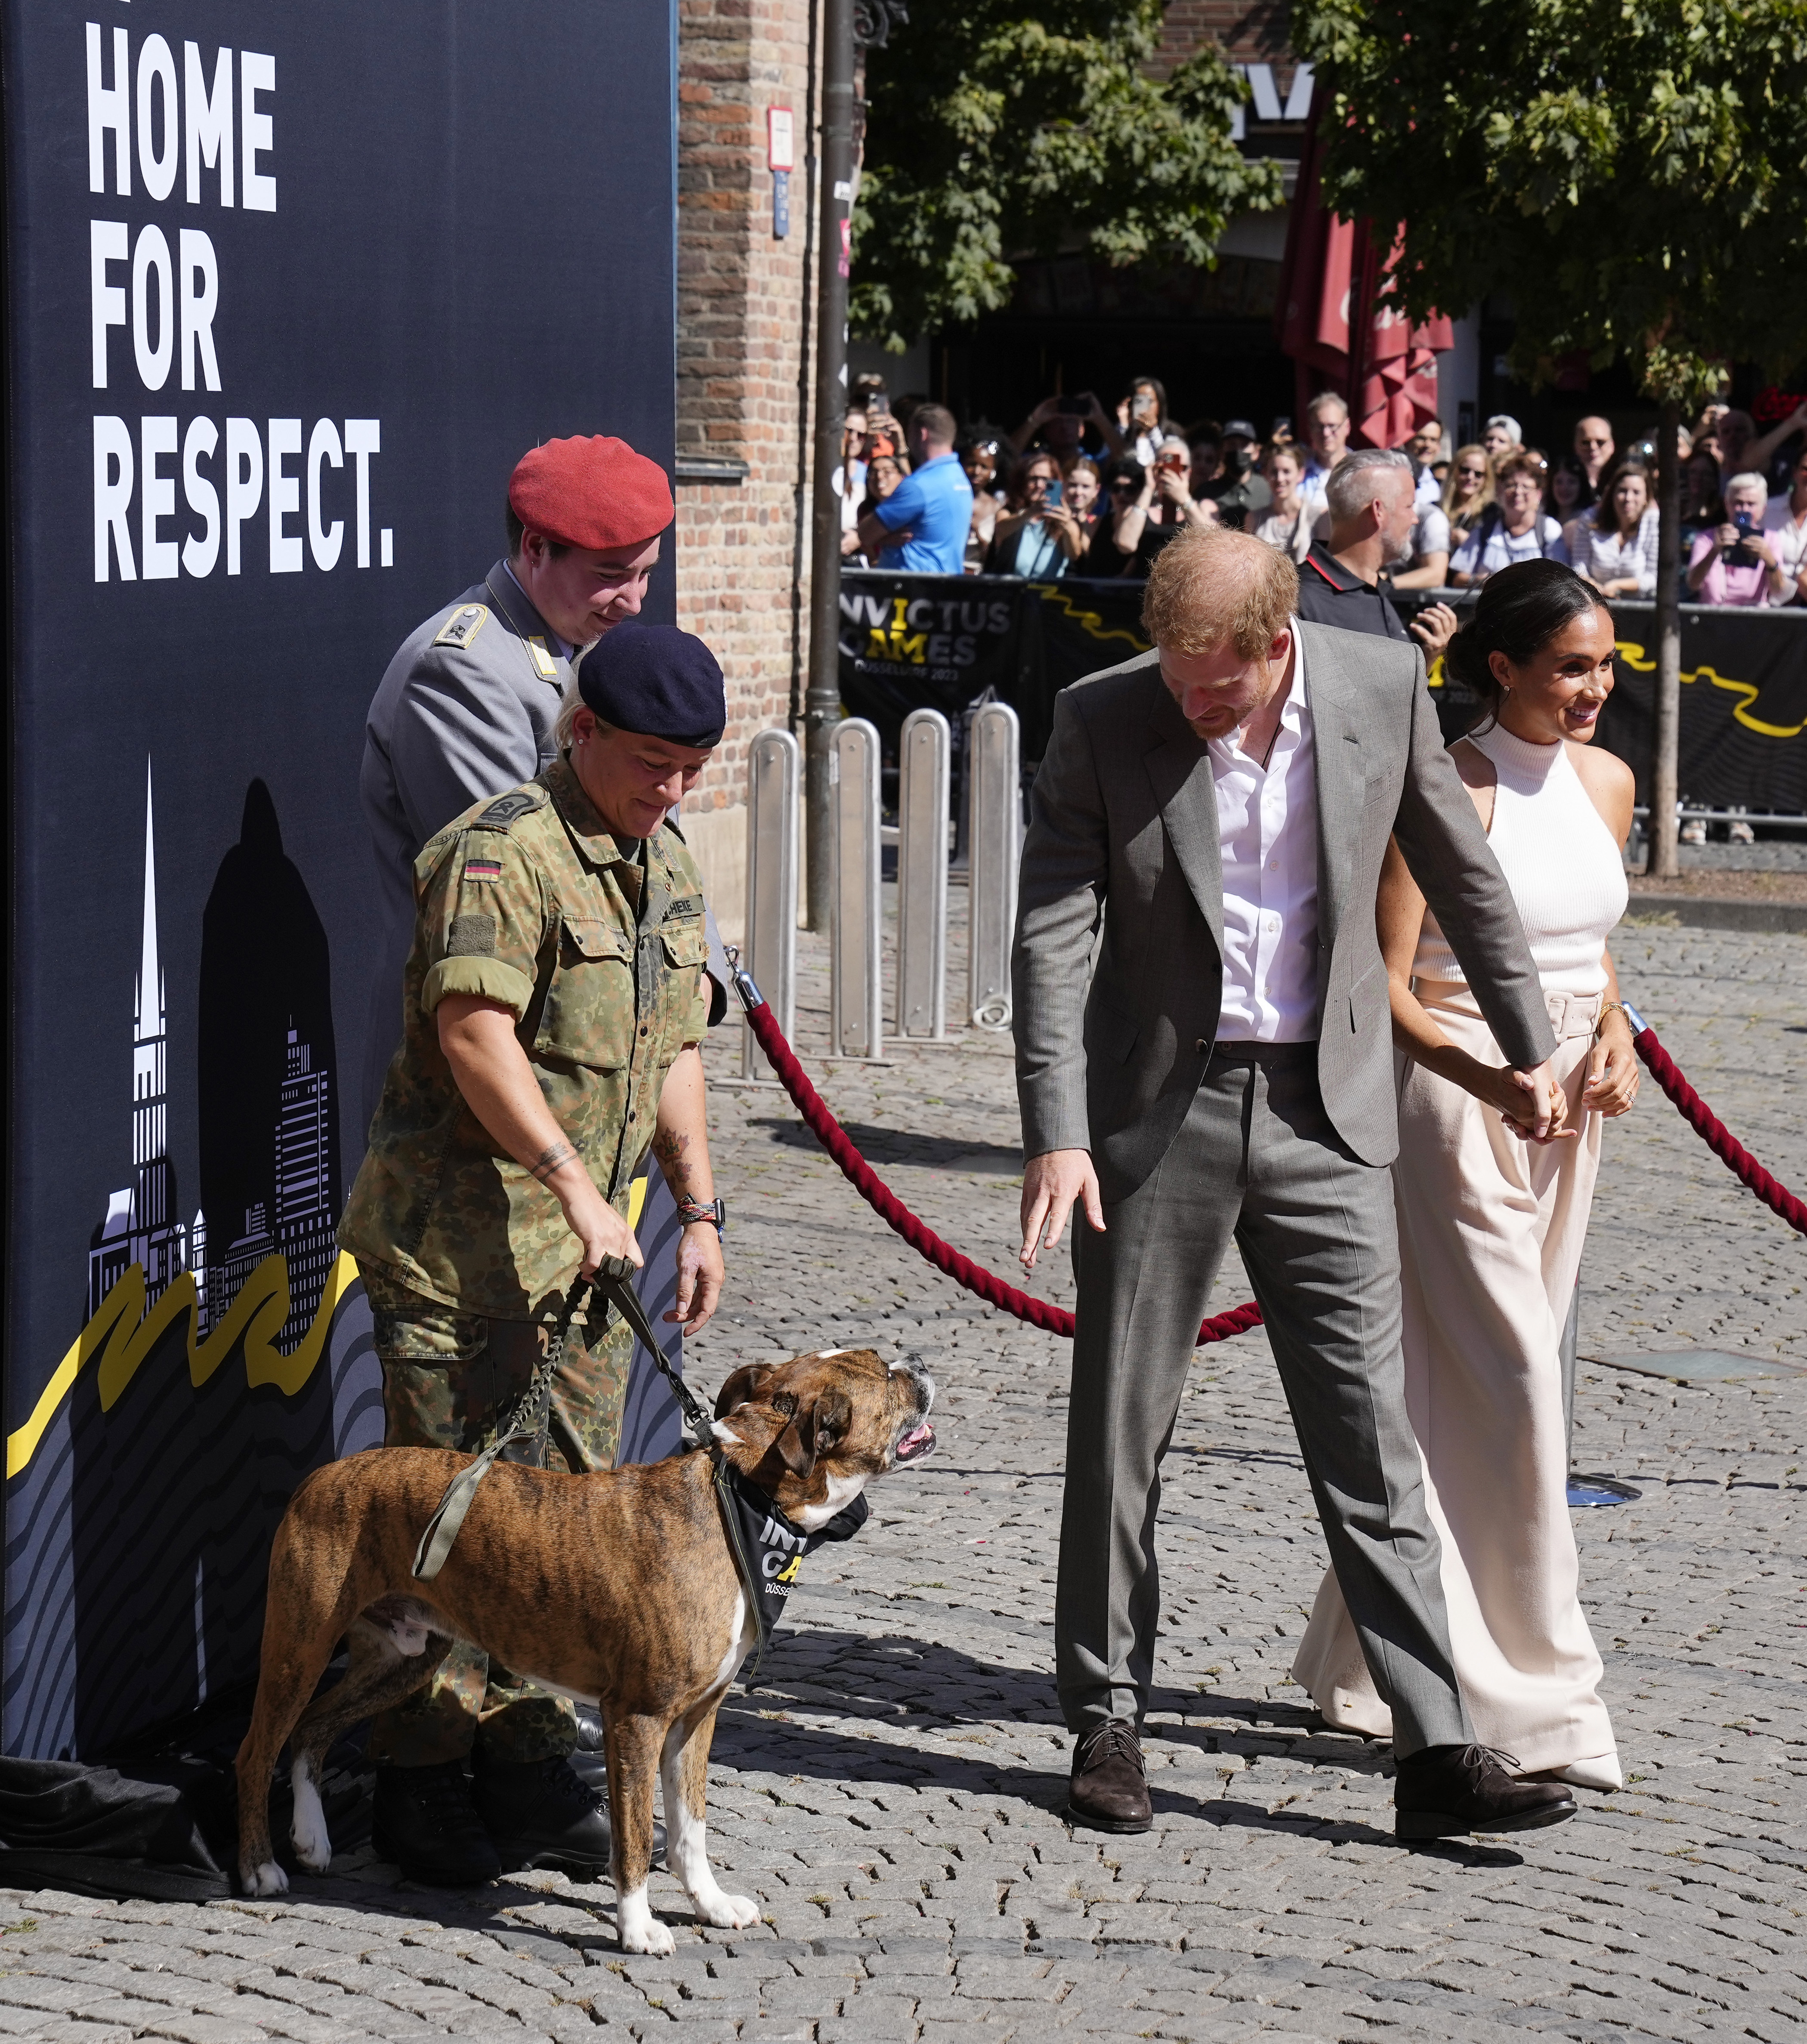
658	681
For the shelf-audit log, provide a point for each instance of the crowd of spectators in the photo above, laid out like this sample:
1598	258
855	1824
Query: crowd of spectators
1080	488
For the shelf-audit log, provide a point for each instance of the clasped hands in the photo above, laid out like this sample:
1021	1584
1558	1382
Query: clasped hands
1609	1090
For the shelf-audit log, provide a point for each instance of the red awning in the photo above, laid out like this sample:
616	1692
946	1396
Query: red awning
1390	375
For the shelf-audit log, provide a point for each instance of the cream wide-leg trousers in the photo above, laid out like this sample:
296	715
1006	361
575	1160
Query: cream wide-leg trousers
1491	1234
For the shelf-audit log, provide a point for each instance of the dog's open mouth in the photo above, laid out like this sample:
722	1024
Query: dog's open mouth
914	1445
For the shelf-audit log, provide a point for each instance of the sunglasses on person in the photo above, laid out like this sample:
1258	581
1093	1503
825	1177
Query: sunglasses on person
1465	474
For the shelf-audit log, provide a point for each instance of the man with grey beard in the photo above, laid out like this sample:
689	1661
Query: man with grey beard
1372	495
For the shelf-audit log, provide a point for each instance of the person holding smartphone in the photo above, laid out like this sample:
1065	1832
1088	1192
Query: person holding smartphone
1039	537
1735	563
1062	423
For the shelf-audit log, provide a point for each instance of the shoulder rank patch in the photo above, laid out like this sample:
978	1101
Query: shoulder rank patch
505	809
462	626
545	665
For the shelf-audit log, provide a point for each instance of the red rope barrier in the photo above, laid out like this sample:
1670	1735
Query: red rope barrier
1714	1133
1052	1320
892	1211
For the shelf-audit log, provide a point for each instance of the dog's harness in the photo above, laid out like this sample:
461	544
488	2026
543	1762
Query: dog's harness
751	1520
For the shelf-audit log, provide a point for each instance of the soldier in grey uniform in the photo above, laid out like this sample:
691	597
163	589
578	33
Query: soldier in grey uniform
467	706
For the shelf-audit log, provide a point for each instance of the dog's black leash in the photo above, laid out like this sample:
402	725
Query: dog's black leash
613	1279
614	1276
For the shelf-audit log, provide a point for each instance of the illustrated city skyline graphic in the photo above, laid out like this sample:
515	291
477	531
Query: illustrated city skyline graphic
143	1224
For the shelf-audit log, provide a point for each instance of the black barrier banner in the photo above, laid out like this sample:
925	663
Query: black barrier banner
941	642
925	642
1744	672
1744	706
289	291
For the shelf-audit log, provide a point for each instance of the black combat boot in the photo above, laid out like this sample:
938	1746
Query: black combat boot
541	1813
425	1821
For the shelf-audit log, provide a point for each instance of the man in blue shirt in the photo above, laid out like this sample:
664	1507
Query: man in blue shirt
922	525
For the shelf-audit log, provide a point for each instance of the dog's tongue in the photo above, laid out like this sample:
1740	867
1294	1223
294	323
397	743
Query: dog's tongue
918	1441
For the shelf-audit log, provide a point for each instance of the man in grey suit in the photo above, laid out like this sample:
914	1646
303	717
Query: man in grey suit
1222	805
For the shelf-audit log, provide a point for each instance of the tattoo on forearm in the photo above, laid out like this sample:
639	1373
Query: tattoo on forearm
672	1149
550	1159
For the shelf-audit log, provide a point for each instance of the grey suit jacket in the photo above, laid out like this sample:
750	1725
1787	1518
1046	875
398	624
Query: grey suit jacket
1123	830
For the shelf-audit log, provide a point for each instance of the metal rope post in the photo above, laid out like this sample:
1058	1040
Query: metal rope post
995	839
923	755
773	767
857	1025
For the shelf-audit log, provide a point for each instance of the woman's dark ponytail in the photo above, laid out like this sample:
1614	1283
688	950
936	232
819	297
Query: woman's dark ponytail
1521	609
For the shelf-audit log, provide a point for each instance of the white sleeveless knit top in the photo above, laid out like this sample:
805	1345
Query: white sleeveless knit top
1566	876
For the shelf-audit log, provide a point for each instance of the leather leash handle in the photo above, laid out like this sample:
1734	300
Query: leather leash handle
614	1279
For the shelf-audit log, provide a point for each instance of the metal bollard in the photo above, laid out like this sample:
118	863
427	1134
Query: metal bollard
923	753
856	1023
774	767
995	833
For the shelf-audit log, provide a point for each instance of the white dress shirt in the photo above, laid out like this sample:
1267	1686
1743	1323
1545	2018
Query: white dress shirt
1267	841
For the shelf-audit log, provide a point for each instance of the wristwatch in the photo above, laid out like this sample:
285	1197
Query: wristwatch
712	1210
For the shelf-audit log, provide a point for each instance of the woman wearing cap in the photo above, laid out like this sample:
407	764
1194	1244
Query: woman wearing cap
552	1005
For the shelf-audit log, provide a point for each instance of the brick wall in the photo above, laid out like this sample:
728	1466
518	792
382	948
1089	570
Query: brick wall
744	313
1245	33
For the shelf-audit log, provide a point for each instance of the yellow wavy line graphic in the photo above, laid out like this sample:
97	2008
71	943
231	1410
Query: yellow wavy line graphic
1091	622
122	1335
1633	655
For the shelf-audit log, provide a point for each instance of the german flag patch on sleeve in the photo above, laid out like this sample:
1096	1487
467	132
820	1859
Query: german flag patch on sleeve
482	869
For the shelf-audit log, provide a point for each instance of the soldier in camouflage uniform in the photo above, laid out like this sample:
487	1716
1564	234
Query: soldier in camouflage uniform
555	997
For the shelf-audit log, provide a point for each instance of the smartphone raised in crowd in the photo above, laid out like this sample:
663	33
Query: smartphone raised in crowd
1055	491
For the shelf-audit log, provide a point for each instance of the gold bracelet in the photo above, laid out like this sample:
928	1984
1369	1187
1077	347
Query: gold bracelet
1605	1012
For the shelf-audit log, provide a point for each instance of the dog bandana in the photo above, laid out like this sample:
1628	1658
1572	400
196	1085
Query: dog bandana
769	1548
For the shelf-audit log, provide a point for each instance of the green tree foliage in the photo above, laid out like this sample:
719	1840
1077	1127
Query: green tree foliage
1633	172
993	131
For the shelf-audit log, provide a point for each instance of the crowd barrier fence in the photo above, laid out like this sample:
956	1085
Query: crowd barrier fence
942	642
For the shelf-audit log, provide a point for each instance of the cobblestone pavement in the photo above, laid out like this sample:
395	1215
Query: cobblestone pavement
890	1792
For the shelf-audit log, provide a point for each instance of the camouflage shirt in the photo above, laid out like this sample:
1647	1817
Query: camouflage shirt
597	946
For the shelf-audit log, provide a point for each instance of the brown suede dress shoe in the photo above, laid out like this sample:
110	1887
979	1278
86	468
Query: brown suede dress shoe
1443	1792
1109	1790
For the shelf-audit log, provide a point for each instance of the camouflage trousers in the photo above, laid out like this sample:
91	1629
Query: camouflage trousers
448	1378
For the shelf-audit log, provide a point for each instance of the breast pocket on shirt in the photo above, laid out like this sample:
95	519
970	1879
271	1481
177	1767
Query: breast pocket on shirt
588	1018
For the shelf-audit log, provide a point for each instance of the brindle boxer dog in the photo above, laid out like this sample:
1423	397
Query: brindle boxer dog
618	1590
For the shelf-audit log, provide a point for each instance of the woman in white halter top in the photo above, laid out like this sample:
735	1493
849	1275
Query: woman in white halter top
1491	1224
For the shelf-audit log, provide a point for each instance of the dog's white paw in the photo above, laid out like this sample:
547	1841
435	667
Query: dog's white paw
308	1832
727	1912
652	1939
315	1852
640	1930
266	1880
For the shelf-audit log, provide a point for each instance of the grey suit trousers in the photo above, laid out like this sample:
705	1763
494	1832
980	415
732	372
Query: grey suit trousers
1256	1159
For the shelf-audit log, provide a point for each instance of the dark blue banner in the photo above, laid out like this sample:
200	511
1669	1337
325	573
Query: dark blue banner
289	292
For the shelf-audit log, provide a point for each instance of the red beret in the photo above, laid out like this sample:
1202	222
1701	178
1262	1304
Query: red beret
597	494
